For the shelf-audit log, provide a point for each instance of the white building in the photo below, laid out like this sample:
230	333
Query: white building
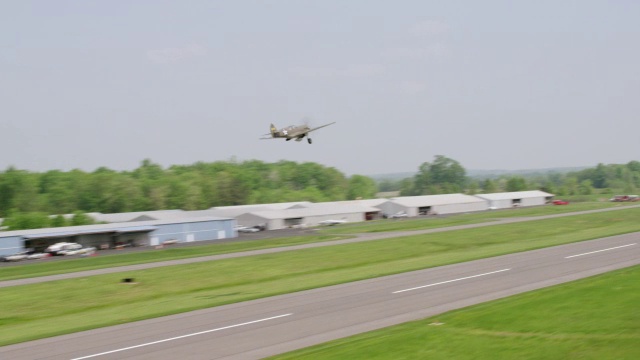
308	216
433	204
126	233
133	216
361	202
507	200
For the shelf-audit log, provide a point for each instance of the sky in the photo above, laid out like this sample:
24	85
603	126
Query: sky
491	84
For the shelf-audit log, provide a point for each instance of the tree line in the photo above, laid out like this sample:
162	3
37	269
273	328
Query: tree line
28	199
188	187
445	176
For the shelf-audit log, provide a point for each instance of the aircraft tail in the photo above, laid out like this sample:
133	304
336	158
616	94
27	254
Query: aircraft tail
274	130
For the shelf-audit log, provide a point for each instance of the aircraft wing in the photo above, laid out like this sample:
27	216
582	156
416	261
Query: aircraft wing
319	127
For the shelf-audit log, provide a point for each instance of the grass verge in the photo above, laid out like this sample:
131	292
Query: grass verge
45	268
594	318
53	308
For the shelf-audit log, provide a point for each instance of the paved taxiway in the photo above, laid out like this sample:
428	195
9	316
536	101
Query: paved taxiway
269	326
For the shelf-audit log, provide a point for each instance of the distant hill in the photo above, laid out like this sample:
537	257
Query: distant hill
392	176
486	174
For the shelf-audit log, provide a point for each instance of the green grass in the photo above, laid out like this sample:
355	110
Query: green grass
36	269
54	308
594	318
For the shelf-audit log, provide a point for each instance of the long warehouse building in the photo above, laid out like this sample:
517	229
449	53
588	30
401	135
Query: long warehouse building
139	233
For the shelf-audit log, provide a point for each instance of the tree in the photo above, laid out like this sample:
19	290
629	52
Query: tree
361	187
230	191
571	185
80	218
58	221
549	188
407	187
516	183
634	166
473	187
311	193
386	185
443	175
600	176
149	171
447	171
18	190
585	187
26	220
489	186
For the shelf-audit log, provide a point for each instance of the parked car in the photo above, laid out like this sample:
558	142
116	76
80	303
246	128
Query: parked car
624	198
36	256
61	247
248	230
15	257
332	222
400	214
560	202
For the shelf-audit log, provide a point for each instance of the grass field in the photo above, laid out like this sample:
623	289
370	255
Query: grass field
34	269
53	308
594	318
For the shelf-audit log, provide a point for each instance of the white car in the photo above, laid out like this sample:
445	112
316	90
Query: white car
332	222
400	214
37	256
68	252
248	230
87	250
15	257
61	247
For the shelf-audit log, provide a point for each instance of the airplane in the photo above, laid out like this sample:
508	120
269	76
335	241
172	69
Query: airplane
292	132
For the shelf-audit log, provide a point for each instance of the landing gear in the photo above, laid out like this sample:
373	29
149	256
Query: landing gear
309	140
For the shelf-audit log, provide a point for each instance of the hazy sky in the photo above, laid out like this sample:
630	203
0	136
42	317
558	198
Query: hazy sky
492	84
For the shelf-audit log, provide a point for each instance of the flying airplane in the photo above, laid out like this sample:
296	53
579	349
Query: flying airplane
292	132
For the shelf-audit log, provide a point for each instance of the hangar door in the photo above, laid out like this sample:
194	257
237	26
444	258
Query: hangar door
292	222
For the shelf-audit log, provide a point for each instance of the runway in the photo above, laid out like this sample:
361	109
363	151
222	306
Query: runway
265	327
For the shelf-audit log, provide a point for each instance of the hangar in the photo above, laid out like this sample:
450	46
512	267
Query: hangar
120	234
133	216
433	204
508	200
331	209
360	202
237	210
307	216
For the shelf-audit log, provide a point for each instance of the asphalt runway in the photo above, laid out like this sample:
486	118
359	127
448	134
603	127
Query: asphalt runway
265	327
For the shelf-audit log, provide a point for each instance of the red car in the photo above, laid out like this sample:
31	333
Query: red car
560	202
